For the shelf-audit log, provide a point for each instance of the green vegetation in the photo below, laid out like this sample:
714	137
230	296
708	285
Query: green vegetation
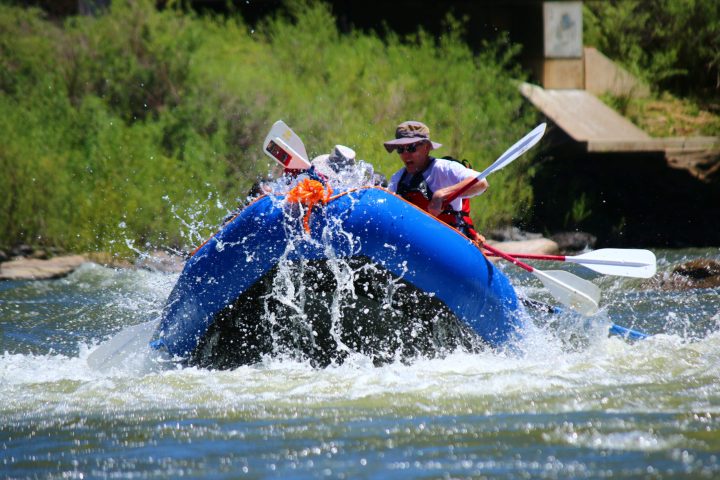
671	45
580	210
143	127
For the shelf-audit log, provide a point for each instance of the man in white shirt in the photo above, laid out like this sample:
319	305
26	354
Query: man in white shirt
428	182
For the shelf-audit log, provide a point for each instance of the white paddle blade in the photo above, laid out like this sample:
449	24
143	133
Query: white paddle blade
520	147
291	142
571	290
285	155
619	261
129	341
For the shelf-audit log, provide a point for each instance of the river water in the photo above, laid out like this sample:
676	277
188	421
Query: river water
567	402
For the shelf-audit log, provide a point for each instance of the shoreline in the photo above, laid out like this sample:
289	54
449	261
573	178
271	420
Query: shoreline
31	267
27	263
696	273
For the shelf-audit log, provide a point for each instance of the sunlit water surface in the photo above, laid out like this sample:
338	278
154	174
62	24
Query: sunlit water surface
567	402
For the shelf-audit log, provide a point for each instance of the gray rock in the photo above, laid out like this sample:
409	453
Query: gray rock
511	234
698	273
538	246
39	254
161	261
574	241
21	250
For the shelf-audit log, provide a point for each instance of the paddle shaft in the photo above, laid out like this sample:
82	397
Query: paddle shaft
464	189
614	329
563	258
512	259
574	292
625	332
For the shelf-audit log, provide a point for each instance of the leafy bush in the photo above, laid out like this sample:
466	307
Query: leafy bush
672	44
142	127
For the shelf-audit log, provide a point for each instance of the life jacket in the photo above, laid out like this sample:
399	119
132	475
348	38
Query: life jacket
418	192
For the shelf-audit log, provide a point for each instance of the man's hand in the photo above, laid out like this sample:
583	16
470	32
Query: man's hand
436	203
442	195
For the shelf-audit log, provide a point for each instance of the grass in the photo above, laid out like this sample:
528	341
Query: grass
664	115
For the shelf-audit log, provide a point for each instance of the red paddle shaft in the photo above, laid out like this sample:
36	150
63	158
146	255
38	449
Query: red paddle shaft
557	258
461	191
507	257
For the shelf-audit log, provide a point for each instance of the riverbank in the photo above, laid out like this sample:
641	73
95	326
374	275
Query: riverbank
37	265
26	263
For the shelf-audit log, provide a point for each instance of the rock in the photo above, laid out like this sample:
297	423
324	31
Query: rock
36	269
108	260
538	246
39	255
698	273
699	269
3	256
511	234
574	241
21	250
161	261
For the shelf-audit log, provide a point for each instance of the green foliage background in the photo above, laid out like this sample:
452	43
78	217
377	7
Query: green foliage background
672	44
143	127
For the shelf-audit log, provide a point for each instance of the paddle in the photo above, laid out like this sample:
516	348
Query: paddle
608	261
285	147
520	147
570	290
614	329
128	341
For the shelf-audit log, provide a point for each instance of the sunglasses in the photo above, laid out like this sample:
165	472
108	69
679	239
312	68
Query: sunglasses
412	148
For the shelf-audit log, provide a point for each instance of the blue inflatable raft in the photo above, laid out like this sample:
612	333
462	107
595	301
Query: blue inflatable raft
374	275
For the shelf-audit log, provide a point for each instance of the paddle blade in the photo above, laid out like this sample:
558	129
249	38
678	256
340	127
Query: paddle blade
571	290
285	147
520	147
280	129
619	261
129	341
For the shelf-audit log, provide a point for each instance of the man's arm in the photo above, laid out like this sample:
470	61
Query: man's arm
443	194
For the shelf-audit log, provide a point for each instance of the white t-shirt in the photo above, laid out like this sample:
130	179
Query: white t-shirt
440	174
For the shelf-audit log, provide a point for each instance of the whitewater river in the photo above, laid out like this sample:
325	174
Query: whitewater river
567	402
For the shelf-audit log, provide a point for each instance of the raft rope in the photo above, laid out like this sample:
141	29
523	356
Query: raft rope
309	192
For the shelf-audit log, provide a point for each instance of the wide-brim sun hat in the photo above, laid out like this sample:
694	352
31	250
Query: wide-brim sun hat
410	132
340	158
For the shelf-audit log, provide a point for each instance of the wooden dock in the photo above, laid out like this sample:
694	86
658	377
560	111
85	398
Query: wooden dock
599	129
587	120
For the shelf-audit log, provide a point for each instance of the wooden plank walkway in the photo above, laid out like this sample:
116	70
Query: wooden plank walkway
587	120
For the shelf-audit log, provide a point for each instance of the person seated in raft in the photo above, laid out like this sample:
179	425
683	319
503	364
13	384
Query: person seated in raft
333	165
427	181
328	167
323	168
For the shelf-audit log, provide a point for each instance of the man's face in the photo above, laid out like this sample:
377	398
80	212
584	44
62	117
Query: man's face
415	156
